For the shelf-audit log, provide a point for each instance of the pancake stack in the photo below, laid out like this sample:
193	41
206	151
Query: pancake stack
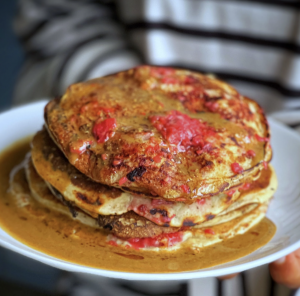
159	158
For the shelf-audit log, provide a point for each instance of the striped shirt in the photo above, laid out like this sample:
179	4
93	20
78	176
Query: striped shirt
254	45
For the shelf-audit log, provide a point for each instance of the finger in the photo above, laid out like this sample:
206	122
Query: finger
286	270
228	276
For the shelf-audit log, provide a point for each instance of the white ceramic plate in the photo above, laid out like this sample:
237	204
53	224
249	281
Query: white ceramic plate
284	210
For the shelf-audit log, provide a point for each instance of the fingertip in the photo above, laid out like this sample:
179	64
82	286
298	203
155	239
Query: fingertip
286	271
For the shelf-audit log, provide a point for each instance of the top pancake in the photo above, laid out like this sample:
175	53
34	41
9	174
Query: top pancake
171	133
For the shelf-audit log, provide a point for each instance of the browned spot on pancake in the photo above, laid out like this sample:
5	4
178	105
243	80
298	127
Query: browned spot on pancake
205	164
84	128
108	226
210	217
234	140
223	186
254	233
81	181
86	200
164	213
23	218
208	163
130	256
137	172
188	223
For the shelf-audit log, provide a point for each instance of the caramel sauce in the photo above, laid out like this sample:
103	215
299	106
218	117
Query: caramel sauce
57	235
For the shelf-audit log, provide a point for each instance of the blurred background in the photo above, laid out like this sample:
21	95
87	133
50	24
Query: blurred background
11	55
18	275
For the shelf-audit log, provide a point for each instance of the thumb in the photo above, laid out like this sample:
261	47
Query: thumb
286	270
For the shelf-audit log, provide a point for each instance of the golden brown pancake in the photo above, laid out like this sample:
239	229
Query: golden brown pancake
235	223
164	132
94	197
124	226
237	219
130	229
131	225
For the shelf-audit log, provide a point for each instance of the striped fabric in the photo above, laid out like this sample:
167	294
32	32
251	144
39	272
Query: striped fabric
68	41
255	282
254	45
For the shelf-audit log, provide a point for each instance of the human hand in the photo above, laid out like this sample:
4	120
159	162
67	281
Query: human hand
286	270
